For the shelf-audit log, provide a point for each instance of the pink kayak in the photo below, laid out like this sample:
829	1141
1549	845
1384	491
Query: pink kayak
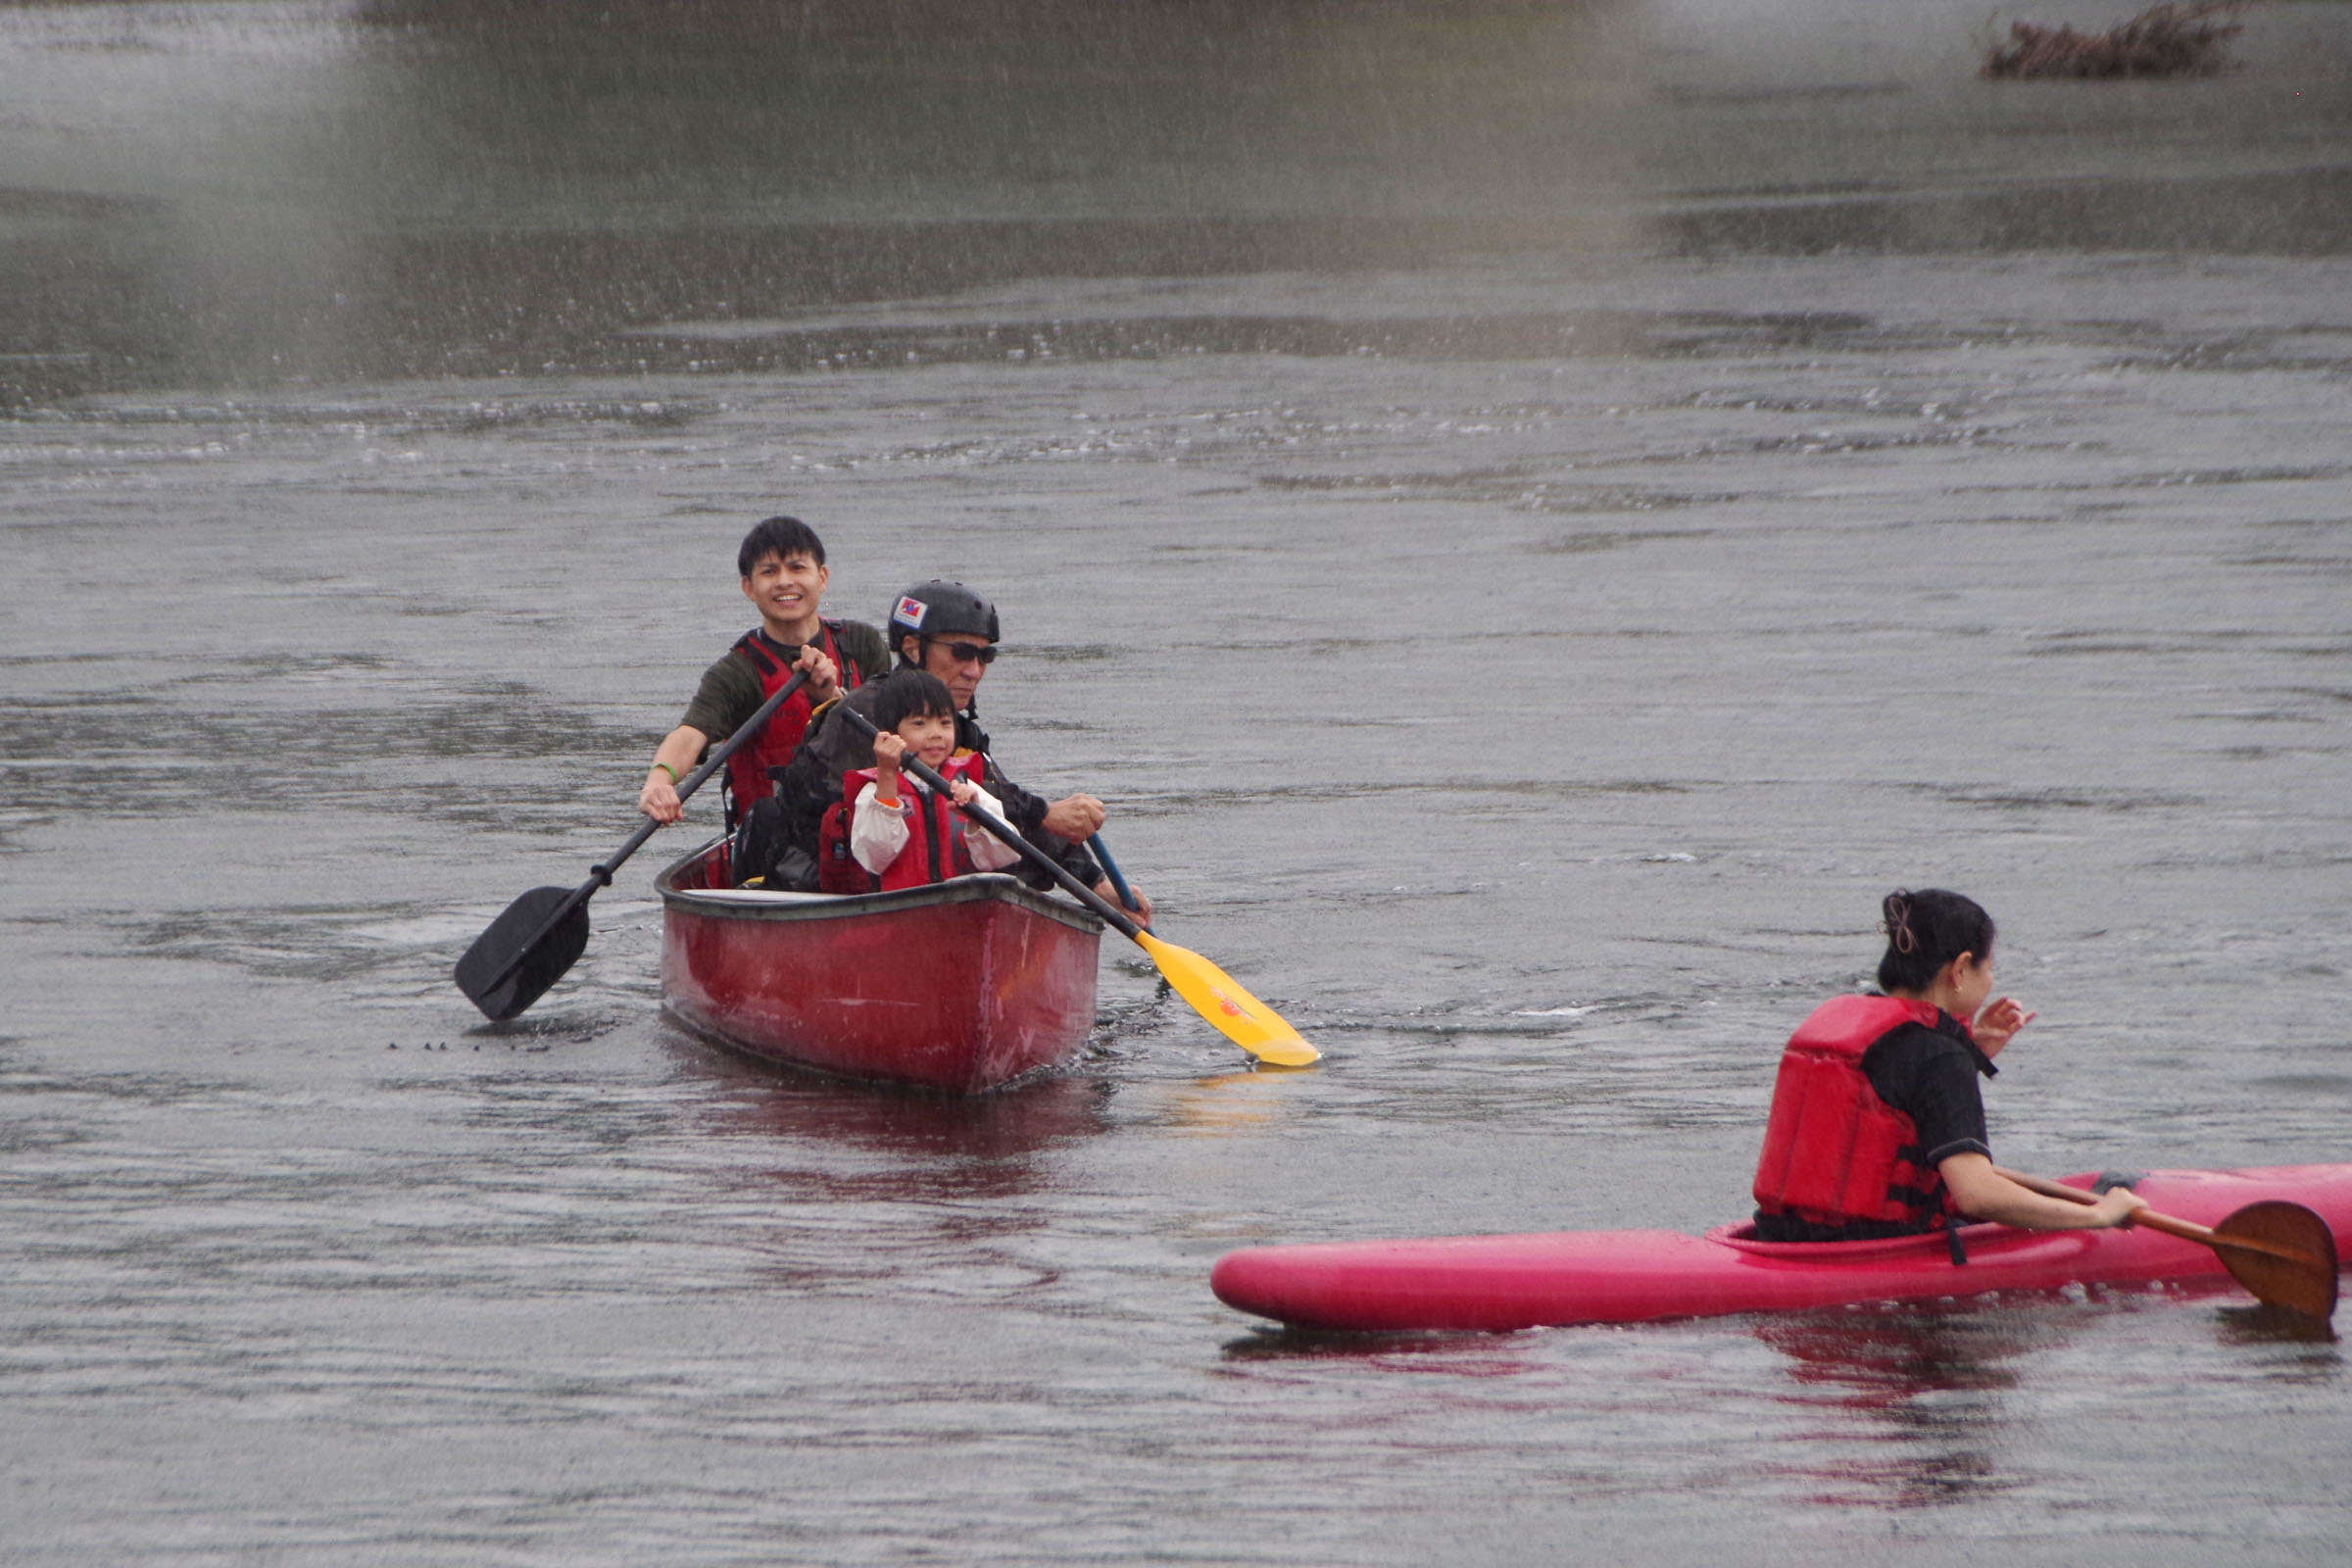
1500	1283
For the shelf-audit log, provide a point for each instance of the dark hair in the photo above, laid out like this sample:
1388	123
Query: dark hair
781	537
1926	930
912	694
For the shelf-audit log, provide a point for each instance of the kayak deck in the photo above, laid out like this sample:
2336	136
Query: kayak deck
1501	1283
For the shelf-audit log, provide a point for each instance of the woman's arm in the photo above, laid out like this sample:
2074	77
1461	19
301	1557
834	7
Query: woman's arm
1981	1192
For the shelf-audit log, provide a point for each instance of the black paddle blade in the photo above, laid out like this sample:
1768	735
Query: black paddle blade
2286	1257
512	964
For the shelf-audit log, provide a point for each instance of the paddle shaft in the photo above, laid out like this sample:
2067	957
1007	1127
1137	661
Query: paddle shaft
1110	869
2186	1230
601	874
1004	830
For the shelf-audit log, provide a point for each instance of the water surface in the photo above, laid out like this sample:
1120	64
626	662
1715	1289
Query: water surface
1534	517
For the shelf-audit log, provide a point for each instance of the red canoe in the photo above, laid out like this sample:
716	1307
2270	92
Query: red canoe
960	986
1500	1283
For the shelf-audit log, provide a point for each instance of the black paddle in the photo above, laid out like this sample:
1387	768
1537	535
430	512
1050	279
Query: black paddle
543	933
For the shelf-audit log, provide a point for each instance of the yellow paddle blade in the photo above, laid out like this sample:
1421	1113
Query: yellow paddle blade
1238	1015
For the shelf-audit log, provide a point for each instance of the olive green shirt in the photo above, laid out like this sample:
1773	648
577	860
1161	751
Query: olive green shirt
731	692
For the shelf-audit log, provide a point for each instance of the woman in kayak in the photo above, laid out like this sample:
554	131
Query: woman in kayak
899	830
1877	1125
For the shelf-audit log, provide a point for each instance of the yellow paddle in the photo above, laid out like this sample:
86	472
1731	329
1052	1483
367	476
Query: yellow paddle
1213	993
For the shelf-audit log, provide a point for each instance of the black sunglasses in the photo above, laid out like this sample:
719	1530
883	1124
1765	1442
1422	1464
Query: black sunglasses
965	653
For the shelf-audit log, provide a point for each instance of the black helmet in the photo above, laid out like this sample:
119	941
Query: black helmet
942	610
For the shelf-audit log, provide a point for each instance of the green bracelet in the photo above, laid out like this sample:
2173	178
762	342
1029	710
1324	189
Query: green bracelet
671	772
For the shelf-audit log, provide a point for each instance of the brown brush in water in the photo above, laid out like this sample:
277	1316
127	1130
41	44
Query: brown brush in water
2170	40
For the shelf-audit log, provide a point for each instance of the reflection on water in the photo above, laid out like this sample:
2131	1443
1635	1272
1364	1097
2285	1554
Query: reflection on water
1931	1382
1229	1103
450	192
1932	1385
289	193
1444	1356
2265	1324
903	1144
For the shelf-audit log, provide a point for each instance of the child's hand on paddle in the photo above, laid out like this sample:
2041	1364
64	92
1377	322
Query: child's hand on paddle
1998	1023
962	791
888	751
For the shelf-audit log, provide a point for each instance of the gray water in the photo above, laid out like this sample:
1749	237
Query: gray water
1534	517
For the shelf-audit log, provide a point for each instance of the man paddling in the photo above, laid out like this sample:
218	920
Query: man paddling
946	631
782	564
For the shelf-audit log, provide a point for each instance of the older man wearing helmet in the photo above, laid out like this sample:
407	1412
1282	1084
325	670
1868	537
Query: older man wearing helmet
951	631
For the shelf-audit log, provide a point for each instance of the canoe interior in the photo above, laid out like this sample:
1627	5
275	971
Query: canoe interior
961	987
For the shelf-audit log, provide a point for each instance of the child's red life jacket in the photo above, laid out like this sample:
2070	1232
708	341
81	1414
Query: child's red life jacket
748	776
934	849
1833	1151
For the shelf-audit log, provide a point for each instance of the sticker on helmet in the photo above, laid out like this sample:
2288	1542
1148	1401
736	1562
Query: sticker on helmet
910	612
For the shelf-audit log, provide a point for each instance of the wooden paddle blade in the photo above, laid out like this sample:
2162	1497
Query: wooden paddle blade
1236	1015
512	964
2287	1259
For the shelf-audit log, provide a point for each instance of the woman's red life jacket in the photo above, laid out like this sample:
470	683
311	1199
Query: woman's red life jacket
934	849
748	776
1834	1152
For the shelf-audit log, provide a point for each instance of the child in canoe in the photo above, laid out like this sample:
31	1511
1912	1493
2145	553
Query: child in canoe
900	829
1877	1125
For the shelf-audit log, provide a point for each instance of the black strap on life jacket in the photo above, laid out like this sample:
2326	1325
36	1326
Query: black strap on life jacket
749	644
930	815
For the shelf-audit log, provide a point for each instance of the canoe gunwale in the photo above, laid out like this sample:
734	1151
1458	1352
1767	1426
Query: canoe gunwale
746	905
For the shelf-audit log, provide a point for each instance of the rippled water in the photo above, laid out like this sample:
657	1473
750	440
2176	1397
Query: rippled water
1532	518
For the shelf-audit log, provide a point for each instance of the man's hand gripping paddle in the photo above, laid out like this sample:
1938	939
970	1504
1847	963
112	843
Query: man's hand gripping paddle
1213	993
543	933
2282	1252
1110	869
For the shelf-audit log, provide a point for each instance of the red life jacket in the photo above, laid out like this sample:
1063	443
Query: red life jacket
934	848
748	776
1835	1153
